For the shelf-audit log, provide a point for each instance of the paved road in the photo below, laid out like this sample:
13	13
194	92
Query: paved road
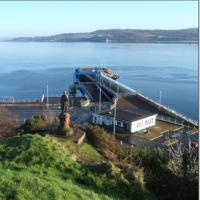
24	112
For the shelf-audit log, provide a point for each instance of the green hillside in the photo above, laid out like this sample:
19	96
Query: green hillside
48	167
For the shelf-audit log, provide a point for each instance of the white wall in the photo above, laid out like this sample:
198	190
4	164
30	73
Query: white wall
143	123
135	126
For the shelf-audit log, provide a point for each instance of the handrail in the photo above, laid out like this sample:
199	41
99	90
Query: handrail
154	103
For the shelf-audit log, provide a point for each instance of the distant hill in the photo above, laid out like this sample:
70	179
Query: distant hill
121	36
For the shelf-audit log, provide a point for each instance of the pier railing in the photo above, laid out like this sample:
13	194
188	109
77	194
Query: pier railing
121	88
11	99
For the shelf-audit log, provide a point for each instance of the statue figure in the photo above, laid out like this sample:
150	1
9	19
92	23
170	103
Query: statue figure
64	102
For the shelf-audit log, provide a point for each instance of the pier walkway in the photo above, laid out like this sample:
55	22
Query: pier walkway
93	79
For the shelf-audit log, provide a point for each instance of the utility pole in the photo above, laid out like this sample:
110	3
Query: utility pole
114	117
115	109
47	88
99	98
160	96
117	90
189	141
99	93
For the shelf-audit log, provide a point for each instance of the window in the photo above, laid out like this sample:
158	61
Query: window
148	121
140	124
95	119
127	126
119	123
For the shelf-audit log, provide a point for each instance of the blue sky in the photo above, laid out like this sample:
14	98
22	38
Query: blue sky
47	18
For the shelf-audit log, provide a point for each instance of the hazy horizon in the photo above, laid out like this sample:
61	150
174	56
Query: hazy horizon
20	18
52	34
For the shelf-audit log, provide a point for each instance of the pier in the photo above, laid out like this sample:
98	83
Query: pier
100	87
95	83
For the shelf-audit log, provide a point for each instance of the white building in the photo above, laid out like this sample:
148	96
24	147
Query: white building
129	117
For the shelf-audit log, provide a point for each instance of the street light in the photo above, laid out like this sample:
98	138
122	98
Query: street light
160	96
115	111
99	98
47	88
99	92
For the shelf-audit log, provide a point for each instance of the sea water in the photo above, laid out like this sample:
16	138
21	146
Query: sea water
26	67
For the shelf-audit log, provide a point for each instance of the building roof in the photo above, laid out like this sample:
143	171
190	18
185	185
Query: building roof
130	109
133	104
124	115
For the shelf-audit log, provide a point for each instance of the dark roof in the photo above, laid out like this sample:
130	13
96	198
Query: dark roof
129	116
130	109
133	104
123	115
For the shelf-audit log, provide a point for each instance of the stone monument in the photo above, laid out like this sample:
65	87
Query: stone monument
65	116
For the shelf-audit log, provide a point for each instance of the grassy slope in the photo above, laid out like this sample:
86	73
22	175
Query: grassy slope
35	167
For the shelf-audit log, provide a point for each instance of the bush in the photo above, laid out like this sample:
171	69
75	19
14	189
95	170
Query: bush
36	124
103	141
158	177
40	123
150	159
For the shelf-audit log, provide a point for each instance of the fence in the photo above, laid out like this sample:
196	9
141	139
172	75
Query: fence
17	100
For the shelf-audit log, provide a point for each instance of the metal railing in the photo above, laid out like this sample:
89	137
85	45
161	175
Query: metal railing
164	108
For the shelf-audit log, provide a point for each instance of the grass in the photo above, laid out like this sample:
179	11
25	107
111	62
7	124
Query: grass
84	152
158	130
36	167
25	184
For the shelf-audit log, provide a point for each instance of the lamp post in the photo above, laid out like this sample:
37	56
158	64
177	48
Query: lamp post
115	109
160	96
114	117
47	88
99	98
99	92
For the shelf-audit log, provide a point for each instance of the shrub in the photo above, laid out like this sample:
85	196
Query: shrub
36	124
40	123
103	141
158	177
150	158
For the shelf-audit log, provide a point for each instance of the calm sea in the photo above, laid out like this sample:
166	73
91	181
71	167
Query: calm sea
148	68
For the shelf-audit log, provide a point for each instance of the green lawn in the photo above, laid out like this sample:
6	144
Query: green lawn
158	130
84	152
51	168
33	184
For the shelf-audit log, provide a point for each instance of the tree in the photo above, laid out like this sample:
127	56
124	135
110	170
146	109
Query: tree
184	161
